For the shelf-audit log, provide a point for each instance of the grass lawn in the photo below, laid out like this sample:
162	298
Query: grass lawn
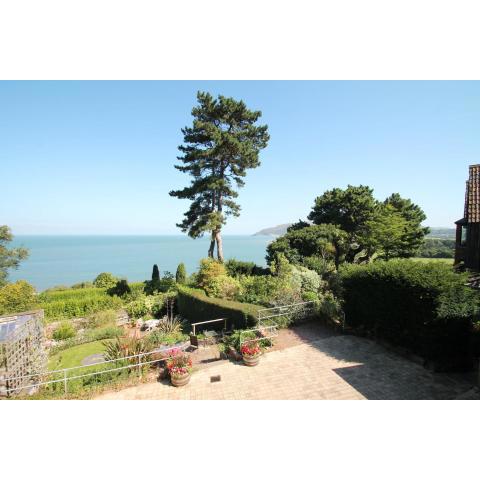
72	357
448	261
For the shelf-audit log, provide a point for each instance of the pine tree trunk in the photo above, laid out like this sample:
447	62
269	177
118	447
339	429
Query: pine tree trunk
211	249
218	237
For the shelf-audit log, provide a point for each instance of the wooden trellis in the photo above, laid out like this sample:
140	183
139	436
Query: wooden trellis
22	352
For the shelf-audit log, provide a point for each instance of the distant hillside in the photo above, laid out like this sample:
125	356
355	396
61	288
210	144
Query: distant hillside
435	232
277	231
445	233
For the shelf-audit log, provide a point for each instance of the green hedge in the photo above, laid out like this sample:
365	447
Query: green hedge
79	307
195	306
71	294
423	307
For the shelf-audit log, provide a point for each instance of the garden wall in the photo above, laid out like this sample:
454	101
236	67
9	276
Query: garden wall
195	306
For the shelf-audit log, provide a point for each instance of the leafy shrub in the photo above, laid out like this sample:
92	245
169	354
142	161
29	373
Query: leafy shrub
138	308
17	297
235	268
305	280
64	331
105	280
181	274
423	307
259	289
209	269
196	306
120	289
152	305
223	286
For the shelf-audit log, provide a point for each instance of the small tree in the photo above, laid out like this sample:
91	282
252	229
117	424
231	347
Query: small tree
181	274
105	280
155	274
17	297
9	258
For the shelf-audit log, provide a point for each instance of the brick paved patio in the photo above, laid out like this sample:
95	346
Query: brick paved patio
312	366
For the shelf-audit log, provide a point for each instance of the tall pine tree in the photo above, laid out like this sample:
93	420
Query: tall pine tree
223	142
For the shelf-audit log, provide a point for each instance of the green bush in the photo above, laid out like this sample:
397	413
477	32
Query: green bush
194	305
259	289
423	307
120	289
235	268
105	280
17	297
64	331
78	307
223	286
181	274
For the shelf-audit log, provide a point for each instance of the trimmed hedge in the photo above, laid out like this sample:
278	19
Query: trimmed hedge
194	305
79	307
425	308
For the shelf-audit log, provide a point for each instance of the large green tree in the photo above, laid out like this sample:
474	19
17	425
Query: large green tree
9	257
388	229
303	245
414	233
351	210
221	145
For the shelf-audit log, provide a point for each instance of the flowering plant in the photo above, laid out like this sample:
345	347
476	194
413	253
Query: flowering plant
251	349
179	363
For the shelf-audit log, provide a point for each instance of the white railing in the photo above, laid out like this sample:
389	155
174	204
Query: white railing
281	310
65	378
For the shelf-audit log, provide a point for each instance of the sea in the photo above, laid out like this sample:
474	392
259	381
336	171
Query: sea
67	259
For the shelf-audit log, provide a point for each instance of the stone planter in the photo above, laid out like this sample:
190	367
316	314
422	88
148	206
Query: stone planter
180	380
251	361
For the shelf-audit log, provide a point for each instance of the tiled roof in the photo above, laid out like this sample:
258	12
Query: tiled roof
472	197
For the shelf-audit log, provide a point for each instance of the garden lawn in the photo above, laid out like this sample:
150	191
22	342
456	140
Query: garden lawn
72	357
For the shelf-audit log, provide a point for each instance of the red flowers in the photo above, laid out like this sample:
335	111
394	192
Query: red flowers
251	349
179	363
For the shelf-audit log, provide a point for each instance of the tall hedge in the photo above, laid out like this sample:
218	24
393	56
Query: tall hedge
196	306
424	307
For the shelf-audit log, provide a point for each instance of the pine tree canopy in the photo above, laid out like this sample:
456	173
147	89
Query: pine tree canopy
221	145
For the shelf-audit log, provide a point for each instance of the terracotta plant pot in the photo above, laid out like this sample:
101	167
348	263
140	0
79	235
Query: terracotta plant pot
251	361
180	381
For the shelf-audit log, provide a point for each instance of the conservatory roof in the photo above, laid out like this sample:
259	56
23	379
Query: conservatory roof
10	323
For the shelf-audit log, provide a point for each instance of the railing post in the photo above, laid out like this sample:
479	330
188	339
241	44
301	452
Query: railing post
65	381
139	366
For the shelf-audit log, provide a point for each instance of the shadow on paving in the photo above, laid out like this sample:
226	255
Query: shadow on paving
380	374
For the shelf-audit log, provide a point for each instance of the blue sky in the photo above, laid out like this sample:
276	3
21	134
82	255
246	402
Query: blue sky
97	157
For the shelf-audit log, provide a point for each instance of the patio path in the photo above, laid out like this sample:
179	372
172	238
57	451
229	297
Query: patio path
318	365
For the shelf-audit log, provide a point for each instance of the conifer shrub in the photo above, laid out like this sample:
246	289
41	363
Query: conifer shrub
181	274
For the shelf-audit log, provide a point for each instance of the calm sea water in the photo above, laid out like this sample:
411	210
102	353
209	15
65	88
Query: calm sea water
65	260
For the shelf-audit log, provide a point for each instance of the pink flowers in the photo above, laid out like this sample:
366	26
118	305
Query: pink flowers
251	349
179	363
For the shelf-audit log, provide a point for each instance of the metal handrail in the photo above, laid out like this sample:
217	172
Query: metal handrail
209	321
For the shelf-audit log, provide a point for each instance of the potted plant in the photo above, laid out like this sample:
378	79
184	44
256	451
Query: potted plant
251	353
179	366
